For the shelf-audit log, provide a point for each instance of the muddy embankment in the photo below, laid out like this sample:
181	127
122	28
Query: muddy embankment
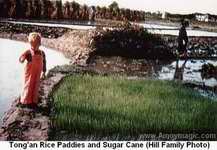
78	45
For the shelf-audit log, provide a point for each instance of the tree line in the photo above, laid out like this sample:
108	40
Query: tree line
55	9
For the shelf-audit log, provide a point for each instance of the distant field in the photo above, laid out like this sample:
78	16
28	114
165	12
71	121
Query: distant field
87	105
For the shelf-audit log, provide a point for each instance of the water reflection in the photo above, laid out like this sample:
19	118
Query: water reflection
179	71
187	70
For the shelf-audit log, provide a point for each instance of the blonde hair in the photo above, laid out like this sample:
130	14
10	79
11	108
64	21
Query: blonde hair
34	37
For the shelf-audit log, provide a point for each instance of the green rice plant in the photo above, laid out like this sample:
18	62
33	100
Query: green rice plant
107	105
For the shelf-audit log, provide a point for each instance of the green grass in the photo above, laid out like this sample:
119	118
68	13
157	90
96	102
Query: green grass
87	104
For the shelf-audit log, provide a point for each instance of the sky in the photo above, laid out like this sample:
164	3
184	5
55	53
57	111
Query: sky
173	6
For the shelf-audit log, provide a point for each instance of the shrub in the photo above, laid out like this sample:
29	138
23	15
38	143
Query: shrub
130	41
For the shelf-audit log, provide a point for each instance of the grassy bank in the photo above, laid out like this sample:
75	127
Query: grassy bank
87	104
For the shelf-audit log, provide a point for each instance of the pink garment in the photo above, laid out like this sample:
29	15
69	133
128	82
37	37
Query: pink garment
32	74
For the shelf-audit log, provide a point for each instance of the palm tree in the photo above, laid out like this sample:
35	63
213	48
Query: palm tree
85	12
128	14
44	9
19	10
4	7
114	5
66	10
57	10
98	11
29	10
75	10
50	9
12	8
122	14
103	12
116	14
36	9
92	13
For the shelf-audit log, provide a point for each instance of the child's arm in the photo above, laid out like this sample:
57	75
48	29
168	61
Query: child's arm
44	65
24	56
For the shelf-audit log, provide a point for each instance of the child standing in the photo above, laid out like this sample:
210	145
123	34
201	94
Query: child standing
35	68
